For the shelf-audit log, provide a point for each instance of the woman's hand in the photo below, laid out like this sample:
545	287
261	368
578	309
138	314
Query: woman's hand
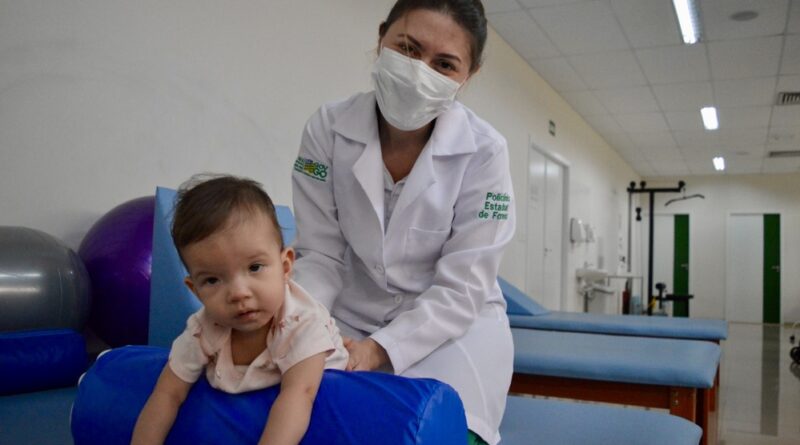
365	355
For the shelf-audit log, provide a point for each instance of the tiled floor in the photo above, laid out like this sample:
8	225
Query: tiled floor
760	396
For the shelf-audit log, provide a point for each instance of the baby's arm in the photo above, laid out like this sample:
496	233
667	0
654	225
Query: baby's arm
290	414
159	412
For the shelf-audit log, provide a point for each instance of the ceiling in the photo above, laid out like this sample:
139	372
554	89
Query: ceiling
623	67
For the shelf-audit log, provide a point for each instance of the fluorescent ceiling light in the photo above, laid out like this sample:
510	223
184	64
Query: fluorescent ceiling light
688	19
710	120
719	163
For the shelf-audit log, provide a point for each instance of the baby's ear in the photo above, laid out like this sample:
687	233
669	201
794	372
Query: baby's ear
190	284
287	258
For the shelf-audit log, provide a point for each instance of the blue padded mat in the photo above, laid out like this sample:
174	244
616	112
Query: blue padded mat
171	302
536	421
40	418
350	408
524	312
614	358
40	359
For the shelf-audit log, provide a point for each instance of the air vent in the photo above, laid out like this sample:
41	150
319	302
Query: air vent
784	154
789	98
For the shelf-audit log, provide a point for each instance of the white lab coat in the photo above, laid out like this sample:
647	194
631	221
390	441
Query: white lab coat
426	287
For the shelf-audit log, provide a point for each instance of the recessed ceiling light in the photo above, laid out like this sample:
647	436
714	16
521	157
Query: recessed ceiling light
744	16
688	20
719	163
710	120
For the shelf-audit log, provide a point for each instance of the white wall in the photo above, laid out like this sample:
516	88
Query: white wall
101	101
724	195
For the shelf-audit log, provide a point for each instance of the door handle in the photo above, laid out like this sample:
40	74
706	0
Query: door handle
776	268
685	266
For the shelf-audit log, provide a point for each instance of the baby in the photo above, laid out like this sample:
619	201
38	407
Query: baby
256	328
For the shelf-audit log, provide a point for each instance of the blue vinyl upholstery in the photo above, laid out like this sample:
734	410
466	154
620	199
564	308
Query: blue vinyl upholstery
40	359
350	407
536	421
524	315
653	361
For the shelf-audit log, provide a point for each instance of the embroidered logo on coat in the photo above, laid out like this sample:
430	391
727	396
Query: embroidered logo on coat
312	169
495	207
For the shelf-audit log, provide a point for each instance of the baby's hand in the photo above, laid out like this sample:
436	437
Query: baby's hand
365	355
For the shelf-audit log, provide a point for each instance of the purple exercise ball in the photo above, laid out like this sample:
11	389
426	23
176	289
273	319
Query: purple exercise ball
118	253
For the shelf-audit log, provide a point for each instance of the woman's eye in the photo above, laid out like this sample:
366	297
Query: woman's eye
447	66
256	267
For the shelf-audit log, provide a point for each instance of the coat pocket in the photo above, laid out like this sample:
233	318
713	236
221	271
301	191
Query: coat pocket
423	248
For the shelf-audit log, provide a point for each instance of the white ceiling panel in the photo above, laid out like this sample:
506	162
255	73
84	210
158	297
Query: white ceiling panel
653	140
609	70
749	117
701	167
738	59
787	116
603	123
786	137
794	18
559	74
759	91
619	141
784	165
522	33
700	154
661	154
584	102
644	22
791	55
750	139
742	166
627	100
580	28
788	83
643	168
718	25
630	154
697	139
685	120
642	122
674	64
684	96
672	168
492	6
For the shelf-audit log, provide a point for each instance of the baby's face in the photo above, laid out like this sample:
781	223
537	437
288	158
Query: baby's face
239	273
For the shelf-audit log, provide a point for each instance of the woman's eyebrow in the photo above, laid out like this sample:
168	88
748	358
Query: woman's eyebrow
421	47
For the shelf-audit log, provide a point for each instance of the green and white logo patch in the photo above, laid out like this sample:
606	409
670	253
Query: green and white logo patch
312	169
495	207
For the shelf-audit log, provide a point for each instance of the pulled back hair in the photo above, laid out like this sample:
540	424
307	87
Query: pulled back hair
206	202
467	13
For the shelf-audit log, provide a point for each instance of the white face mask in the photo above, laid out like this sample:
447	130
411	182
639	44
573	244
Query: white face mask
410	94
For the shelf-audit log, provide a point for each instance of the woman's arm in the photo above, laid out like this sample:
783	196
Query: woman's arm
291	412
161	408
320	245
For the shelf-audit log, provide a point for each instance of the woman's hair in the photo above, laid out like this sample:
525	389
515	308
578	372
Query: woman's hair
206	202
467	13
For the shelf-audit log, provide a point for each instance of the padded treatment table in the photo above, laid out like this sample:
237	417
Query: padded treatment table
653	372
350	408
536	421
524	312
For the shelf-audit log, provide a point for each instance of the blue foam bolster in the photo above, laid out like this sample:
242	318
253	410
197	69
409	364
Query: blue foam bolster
350	408
39	360
171	302
529	420
635	325
652	361
517	302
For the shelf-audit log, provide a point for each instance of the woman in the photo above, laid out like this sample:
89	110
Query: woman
403	202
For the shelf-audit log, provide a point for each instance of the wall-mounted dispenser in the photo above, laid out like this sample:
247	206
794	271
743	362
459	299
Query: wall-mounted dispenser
577	231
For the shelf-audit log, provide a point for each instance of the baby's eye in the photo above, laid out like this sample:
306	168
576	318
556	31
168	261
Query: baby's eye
256	267
210	281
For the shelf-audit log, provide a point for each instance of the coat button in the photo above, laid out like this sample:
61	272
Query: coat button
379	268
398	298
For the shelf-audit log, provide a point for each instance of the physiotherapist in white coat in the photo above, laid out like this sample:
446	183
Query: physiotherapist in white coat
404	205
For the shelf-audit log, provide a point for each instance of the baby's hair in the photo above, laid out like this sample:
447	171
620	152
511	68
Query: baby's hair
206	202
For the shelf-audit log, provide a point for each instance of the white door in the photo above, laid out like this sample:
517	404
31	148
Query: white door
544	230
744	282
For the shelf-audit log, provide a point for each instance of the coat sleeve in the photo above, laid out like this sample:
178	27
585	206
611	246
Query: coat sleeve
466	273
320	245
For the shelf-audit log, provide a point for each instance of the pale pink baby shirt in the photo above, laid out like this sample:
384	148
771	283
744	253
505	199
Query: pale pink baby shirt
302	328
